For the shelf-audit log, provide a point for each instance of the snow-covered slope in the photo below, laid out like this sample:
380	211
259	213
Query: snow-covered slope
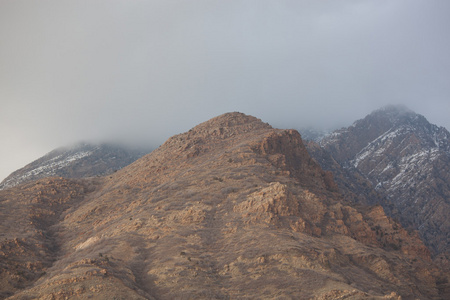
81	160
407	159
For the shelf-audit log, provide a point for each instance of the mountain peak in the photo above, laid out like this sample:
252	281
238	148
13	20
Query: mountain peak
395	115
214	132
395	109
235	121
407	159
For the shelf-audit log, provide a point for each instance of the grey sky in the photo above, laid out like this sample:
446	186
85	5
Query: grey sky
141	71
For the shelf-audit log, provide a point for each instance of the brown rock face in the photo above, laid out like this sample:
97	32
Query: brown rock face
232	209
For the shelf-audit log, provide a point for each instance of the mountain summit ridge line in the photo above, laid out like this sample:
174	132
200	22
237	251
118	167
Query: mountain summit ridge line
231	209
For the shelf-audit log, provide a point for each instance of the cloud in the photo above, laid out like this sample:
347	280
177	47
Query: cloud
141	71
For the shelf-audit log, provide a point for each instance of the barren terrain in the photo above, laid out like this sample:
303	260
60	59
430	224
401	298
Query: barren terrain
232	209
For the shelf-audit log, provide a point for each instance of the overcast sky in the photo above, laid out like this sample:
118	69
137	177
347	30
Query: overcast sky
141	71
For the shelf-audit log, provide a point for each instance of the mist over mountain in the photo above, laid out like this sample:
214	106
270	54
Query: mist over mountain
233	208
138	72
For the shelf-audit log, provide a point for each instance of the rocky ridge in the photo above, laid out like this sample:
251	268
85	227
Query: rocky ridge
81	160
232	209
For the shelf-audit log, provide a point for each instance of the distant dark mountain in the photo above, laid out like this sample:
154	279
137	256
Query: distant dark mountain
81	160
311	134
354	185
407	161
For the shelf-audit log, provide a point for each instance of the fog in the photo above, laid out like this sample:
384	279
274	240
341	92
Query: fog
140	71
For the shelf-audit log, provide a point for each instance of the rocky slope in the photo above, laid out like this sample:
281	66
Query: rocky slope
232	209
81	160
354	185
407	160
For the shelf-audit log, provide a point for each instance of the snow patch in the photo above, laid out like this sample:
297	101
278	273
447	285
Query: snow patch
49	168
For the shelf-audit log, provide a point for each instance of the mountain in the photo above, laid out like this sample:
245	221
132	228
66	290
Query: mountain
81	160
231	209
311	134
407	161
354	185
